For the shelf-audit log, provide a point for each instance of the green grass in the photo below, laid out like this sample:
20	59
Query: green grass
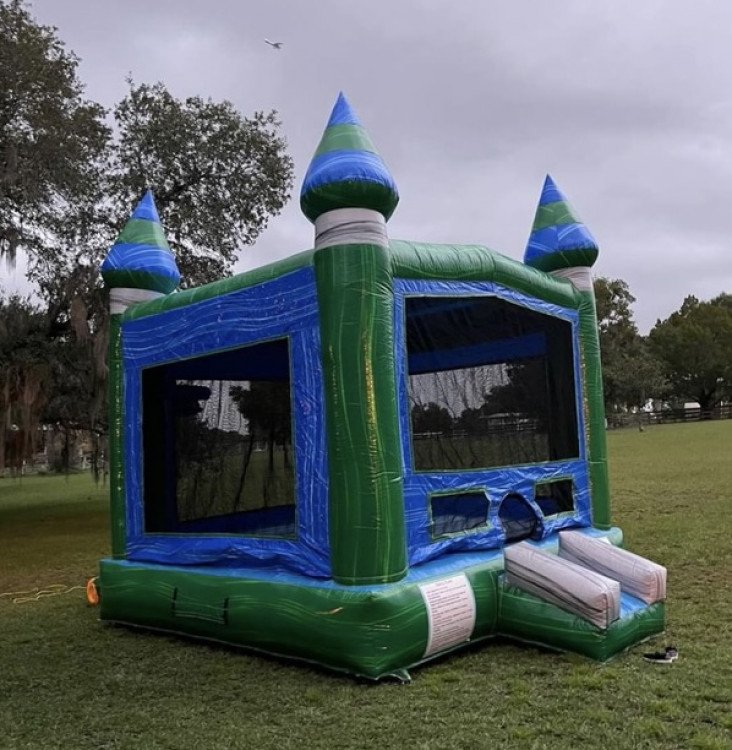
66	681
51	531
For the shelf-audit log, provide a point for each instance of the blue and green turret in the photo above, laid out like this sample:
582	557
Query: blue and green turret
562	245
139	267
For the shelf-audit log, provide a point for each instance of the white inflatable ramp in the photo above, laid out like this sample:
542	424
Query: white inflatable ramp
569	586
638	576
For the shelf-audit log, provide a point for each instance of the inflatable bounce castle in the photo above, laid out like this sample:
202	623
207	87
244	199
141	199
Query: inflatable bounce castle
370	453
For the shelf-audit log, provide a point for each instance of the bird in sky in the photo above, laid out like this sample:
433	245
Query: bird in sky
274	45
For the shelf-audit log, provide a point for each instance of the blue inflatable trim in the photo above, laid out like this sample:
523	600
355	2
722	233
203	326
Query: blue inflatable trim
446	565
550	193
342	113
531	345
558	238
146	209
283	308
147	258
498	482
347	166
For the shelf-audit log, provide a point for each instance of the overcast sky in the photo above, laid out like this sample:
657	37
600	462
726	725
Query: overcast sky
627	104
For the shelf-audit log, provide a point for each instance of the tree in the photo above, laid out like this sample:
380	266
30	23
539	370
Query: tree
67	187
51	139
618	335
431	417
695	345
25	378
217	176
613	302
266	407
631	372
53	145
639	376
523	394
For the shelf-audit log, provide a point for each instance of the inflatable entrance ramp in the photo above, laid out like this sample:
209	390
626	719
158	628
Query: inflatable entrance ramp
642	578
571	587
567	604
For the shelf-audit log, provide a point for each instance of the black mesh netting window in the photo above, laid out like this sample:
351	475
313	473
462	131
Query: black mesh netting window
217	442
555	497
491	383
463	511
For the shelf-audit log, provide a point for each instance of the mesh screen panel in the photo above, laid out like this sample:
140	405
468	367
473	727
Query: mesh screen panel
491	384
555	497
218	449
459	512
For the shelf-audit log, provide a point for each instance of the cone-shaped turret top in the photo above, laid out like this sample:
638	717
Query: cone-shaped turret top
141	258
346	171
558	238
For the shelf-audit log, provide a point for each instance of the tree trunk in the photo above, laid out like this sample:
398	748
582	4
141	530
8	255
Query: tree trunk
706	403
243	475
67	450
270	467
2	443
270	448
640	411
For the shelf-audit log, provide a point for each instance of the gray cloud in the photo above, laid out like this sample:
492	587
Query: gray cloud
626	104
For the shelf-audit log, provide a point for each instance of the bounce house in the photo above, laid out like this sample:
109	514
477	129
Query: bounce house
370	453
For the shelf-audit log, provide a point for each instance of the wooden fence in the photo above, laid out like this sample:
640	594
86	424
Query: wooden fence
668	416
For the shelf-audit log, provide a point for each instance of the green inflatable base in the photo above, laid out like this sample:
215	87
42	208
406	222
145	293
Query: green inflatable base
533	620
374	632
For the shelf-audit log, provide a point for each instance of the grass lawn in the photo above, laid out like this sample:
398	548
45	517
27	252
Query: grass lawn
66	681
